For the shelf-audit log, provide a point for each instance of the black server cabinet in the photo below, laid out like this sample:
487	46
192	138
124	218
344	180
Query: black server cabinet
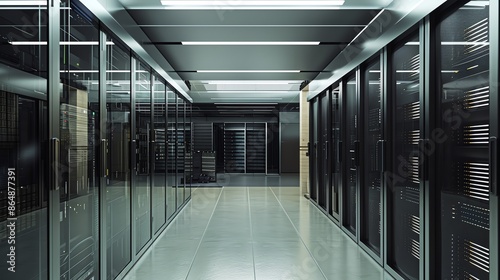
371	207
352	153
462	154
323	158
335	154
313	150
403	182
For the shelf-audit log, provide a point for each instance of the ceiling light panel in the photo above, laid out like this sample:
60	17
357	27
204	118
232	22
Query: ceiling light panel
23	3
250	5
248	71
251	82
250	43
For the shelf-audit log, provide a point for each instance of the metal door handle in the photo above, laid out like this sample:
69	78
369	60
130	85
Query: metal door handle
104	157
54	159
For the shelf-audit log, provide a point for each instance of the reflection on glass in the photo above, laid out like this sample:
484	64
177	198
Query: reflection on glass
22	132
189	152
371	207
118	187
159	154
171	153
314	188
23	59
335	161
23	128
181	151
79	126
463	158
142	197
350	191
404	193
323	157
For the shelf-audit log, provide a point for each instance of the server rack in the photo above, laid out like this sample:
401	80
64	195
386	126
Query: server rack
373	144
433	140
313	146
234	148
336	154
255	148
323	158
352	154
461	40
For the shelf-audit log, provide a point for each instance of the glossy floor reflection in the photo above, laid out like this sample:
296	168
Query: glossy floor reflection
263	233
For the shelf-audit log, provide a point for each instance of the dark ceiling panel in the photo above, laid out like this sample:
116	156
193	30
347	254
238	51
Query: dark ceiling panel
179	34
259	17
248	76
190	58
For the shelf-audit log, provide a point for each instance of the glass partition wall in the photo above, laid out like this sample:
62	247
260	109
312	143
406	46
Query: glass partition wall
118	230
158	156
181	151
86	165
79	126
143	122
23	132
171	153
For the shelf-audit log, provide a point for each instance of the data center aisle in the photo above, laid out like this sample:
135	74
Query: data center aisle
254	233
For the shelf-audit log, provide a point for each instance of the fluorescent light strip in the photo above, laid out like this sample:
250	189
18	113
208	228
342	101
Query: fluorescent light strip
478	4
252	82
233	103
454	43
248	71
250	43
243	91
363	30
240	3
23	3
251	7
70	43
244	98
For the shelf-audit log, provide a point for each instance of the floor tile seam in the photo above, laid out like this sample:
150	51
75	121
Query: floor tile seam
300	236
161	236
251	233
203	235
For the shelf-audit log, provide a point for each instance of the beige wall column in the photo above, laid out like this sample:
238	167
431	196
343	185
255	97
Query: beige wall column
304	139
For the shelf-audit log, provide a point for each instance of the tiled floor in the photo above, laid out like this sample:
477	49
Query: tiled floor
259	233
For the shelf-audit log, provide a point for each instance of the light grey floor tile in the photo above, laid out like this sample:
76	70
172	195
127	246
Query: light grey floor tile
260	233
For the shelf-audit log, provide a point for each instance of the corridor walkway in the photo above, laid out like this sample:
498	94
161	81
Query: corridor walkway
263	233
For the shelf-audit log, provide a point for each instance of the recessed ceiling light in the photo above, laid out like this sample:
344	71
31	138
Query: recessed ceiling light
250	5
23	3
251	82
250	43
70	43
248	71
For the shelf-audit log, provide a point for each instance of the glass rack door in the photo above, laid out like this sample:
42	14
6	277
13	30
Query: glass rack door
336	141
352	153
462	159
158	154
79	126
404	188
171	153
118	184
142	180
371	189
